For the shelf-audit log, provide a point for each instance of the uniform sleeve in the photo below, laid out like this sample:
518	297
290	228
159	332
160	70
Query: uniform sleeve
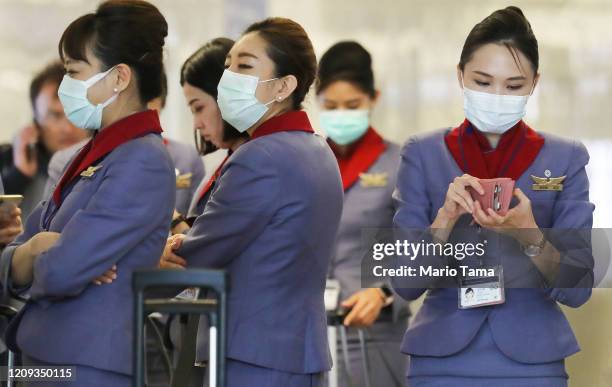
412	221
241	206
115	221
571	234
32	227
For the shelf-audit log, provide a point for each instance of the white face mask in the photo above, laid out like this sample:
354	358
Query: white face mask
493	113
73	96
237	101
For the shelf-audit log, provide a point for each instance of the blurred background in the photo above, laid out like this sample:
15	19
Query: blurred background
415	45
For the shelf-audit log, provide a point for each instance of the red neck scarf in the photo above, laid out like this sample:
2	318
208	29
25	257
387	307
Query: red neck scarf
122	131
296	120
515	151
361	156
213	179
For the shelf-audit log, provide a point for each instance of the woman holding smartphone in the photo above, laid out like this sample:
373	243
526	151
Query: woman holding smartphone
519	335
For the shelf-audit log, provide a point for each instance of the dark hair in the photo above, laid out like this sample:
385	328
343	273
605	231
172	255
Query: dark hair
507	26
163	95
203	69
346	61
290	49
51	74
122	31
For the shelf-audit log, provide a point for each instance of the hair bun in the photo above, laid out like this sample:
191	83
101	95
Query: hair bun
516	9
345	55
346	61
122	31
138	16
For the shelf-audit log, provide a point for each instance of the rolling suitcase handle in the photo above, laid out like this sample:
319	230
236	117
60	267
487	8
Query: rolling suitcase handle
217	310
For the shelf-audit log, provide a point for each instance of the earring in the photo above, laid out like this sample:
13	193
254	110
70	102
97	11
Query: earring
115	90
279	99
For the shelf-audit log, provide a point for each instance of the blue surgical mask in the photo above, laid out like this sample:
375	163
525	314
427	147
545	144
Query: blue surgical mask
237	101
345	126
73	96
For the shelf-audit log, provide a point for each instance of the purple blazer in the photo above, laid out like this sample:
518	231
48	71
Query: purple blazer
271	222
119	215
529	327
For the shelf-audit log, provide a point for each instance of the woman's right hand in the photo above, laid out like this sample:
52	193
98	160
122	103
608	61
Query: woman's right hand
169	260
458	200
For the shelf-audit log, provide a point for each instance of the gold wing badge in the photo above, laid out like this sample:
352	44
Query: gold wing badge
547	183
89	172
183	181
373	180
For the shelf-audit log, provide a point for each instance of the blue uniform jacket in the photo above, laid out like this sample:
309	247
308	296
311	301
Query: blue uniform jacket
271	222
120	215
530	326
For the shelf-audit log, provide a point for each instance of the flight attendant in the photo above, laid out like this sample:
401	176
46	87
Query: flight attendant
188	165
113	205
272	218
200	77
522	338
368	165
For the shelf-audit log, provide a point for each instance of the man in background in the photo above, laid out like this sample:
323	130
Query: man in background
23	164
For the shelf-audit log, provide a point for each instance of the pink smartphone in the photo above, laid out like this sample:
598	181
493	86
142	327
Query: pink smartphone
497	195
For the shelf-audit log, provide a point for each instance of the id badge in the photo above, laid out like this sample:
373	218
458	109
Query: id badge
479	291
188	294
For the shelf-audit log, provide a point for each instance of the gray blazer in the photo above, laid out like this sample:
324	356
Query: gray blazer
367	204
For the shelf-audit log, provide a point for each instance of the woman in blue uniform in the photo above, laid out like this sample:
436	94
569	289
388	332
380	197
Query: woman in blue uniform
272	218
200	76
368	165
113	205
501	335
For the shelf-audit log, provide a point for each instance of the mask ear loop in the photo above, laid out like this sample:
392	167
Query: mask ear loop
532	88
277	99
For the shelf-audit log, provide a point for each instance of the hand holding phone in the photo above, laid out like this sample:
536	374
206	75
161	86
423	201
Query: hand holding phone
24	151
10	218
